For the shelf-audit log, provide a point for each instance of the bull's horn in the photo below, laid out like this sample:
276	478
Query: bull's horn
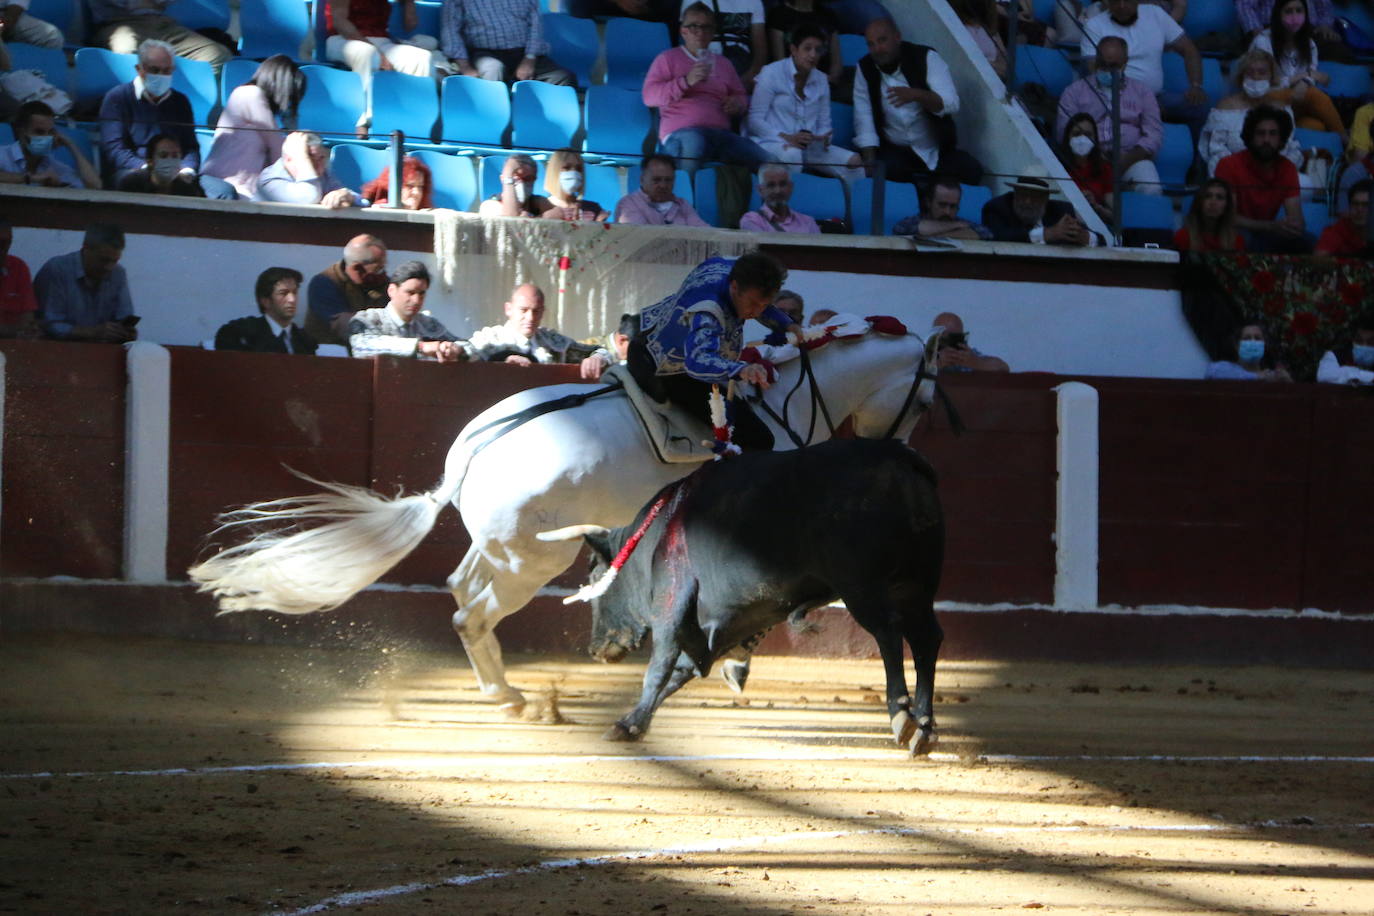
571	533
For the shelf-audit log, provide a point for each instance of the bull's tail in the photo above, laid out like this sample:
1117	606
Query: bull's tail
296	571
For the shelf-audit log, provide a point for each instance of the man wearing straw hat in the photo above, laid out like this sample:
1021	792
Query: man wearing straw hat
1027	214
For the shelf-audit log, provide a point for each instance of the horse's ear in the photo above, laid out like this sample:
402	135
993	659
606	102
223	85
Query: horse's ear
932	347
600	542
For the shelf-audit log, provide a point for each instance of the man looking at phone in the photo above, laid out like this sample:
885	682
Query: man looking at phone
84	295
955	355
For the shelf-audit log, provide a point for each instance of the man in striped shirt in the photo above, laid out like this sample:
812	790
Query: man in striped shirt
499	40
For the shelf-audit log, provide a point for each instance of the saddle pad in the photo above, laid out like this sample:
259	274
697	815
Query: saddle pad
675	435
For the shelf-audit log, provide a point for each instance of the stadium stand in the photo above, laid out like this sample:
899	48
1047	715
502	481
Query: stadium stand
476	113
618	125
544	116
574	43
455	179
406	103
631	46
273	27
333	100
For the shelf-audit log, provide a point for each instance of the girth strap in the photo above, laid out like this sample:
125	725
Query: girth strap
538	410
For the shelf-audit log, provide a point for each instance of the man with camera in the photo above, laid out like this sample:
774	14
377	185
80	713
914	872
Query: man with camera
955	355
84	295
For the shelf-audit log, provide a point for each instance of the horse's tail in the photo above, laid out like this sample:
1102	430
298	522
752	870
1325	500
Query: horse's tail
296	571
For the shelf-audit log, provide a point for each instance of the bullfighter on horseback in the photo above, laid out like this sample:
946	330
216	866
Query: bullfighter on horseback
694	338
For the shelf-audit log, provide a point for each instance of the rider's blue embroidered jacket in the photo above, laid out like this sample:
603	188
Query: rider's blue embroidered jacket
696	330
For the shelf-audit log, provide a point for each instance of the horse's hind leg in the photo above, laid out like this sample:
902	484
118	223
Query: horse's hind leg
924	635
875	612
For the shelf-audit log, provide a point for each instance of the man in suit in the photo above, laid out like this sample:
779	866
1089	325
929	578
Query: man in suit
277	291
1026	214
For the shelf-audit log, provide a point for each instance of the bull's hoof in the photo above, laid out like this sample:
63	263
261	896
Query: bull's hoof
735	673
903	727
622	732
923	742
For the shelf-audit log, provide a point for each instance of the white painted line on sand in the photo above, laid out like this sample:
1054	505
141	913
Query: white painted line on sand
457	761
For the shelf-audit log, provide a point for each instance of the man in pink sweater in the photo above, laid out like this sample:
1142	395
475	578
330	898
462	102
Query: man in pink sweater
697	93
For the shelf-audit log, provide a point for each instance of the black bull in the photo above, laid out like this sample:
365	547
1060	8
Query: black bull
756	538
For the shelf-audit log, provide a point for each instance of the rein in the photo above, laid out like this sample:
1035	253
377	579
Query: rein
538	410
955	422
817	400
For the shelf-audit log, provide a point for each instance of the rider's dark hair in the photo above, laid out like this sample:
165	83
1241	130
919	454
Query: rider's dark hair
629	324
410	270
757	270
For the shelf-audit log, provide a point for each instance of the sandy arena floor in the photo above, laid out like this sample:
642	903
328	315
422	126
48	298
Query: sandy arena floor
149	777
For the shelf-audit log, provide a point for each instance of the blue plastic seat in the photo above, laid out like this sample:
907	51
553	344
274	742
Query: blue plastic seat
618	124
406	103
544	116
603	185
842	125
6	133
1146	211
631	46
61	13
476	112
1175	157
201	14
573	43
1347	80
236	72
899	202
333	101
1321	139
852	47
98	71
972	200
1203	16
1046	66
1176	76
704	196
51	62
205	140
196	79
273	27
455	179
355	165
682	185
1316	216
489	175
427	13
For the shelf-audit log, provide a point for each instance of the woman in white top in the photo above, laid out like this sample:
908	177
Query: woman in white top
1253	75
1289	39
980	18
789	113
249	133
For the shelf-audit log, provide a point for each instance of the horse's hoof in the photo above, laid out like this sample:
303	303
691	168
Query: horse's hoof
622	732
903	727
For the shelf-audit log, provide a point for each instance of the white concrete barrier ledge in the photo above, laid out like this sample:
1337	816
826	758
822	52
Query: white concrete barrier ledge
147	436
1076	505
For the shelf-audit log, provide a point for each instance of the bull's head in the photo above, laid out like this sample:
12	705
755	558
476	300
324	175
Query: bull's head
616	629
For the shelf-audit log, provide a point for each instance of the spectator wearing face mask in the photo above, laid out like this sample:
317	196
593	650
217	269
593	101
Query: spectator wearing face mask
1142	131
1253	362
564	178
1290	39
1253	76
1087	166
1352	364
29	159
516	197
164	174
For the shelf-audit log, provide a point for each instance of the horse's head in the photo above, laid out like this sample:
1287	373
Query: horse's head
902	388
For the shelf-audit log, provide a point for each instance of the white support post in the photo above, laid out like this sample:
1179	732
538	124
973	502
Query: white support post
146	449
1076	506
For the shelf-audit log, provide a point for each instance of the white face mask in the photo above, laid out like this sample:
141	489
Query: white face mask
1255	88
1081	144
166	168
522	191
157	84
570	180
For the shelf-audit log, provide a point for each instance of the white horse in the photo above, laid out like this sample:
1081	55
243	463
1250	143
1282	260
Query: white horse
586	464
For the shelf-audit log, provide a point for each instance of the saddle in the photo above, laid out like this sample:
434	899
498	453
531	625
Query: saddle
675	436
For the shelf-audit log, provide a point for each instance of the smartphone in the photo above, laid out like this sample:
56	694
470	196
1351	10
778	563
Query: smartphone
130	321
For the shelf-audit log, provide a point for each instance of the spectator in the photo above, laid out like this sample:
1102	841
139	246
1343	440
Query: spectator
792	305
1289	39
655	204
1253	76
821	316
1265	183
401	328
521	341
517	197
980	18
1254	15
1252	362
782	18
124	25
30	160
18	305
133	113
1352	364
1349	235
84	295
1026	214
789	114
1142	132
1029	30
1360	144
1361	165
776	214
697	93
355	283
417	186
1086	164
1148	32
1211	221
564	178
955	355
163	173
16	25
939	216
499	40
740	35
911	126
359	39
619	342
302	176
272	331
247	137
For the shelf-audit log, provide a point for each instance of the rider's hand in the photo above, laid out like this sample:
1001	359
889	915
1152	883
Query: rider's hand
755	374
592	367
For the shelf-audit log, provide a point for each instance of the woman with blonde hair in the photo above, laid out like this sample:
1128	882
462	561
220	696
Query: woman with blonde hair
1211	221
564	178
